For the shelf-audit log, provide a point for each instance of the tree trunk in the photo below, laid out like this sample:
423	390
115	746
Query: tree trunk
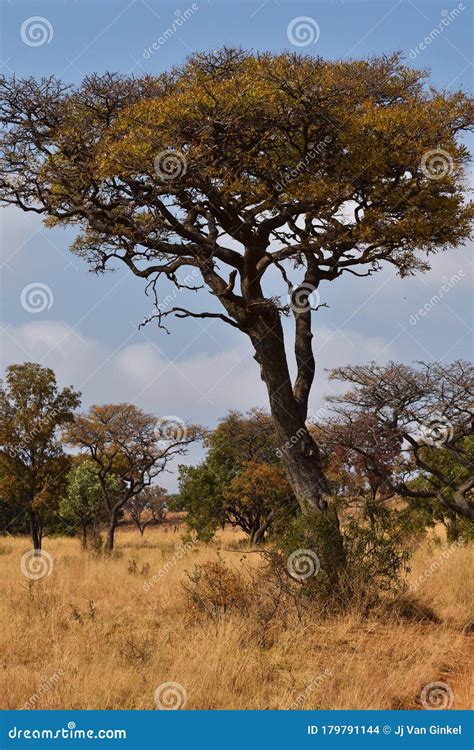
297	449
35	532
113	523
258	532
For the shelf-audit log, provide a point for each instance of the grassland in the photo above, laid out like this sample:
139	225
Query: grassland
100	633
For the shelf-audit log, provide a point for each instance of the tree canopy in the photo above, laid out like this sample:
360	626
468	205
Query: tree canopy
33	465
241	480
127	445
410	429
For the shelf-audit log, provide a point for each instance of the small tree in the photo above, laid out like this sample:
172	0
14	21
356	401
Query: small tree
236	170
211	491
84	501
255	498
424	416
149	507
359	477
128	446
33	465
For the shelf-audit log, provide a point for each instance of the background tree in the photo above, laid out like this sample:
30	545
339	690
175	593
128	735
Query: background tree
129	447
255	499
359	469
33	465
239	167
213	492
149	507
83	502
423	413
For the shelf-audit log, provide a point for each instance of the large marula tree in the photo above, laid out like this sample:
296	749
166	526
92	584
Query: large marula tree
237	165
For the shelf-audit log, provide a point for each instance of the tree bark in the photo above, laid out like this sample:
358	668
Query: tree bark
35	532
258	532
299	452
113	523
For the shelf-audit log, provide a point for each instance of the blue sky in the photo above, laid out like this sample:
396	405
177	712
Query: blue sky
88	333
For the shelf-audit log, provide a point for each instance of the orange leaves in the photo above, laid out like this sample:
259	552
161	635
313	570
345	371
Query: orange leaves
258	484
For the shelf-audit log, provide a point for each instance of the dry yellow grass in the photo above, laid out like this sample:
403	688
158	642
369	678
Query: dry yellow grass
94	639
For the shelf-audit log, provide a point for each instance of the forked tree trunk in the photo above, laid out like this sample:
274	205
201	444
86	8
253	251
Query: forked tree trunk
257	535
299	453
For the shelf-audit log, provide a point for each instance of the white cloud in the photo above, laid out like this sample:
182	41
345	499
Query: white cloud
200	388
